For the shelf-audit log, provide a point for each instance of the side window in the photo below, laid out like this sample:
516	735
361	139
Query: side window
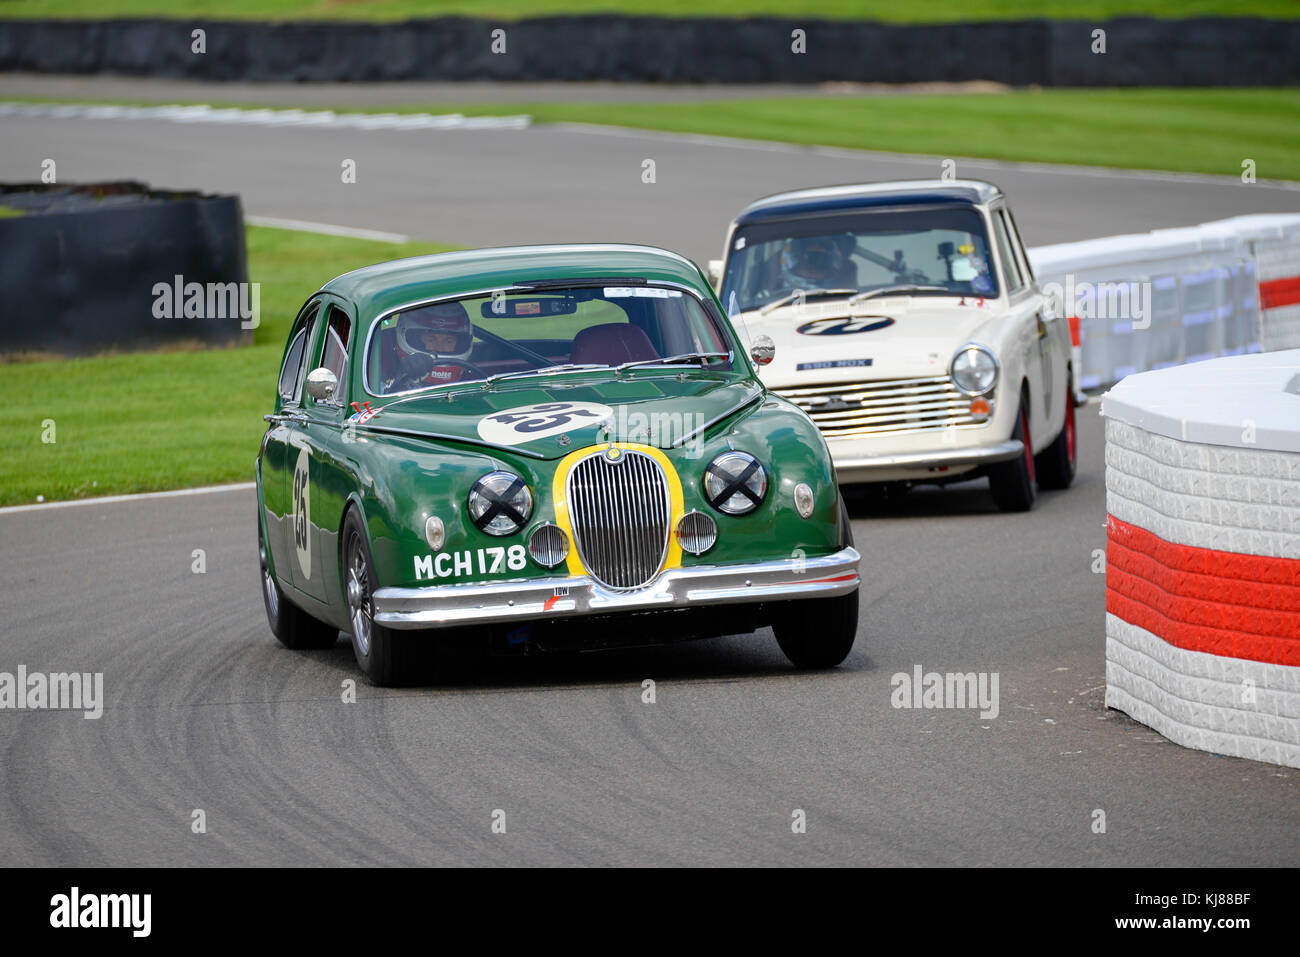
1010	265
334	354
292	373
1019	244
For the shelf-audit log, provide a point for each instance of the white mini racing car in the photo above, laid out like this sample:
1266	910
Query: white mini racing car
908	325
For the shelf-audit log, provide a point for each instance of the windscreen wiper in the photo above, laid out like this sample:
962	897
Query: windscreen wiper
562	367
699	357
883	290
803	294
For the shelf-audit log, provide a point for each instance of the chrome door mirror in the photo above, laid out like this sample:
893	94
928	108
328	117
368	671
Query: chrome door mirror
322	384
763	350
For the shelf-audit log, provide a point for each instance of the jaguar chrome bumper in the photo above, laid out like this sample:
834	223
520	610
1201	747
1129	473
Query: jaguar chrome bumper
443	606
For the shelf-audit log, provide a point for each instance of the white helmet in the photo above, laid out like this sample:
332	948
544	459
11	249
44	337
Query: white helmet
447	320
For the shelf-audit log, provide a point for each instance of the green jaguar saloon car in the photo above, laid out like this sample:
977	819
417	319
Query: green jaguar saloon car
541	448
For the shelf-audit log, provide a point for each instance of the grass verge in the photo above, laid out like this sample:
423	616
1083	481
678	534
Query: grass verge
1188	130
140	422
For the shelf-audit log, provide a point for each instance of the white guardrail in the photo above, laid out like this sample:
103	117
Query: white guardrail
1173	296
1203	554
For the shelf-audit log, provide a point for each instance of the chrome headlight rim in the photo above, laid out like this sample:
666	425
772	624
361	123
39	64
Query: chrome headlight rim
535	545
709	531
979	349
722	485
499	494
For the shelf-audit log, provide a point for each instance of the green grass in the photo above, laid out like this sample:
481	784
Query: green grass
147	421
1186	130
932	11
9	212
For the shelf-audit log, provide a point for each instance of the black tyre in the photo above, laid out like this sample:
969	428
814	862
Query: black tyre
1012	481
1057	463
818	633
292	626
387	657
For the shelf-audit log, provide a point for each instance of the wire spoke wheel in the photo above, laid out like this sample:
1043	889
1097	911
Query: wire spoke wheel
361	608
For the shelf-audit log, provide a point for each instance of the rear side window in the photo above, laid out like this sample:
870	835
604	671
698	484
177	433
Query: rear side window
334	356
290	374
1010	264
1019	243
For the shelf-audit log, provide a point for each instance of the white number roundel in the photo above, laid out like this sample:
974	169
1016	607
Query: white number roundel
528	422
300	512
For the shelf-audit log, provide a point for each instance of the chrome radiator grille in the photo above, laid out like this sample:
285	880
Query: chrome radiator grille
620	515
884	407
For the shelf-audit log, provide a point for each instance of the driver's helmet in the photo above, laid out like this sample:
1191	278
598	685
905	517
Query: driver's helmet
440	330
816	257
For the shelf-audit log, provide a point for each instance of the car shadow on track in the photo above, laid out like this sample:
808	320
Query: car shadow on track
874	501
733	658
972	498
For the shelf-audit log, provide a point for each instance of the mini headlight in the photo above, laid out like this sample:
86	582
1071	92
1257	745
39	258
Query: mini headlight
548	545
735	483
499	503
803	500
435	533
974	370
696	533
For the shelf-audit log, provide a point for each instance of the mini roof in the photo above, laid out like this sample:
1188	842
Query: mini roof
827	199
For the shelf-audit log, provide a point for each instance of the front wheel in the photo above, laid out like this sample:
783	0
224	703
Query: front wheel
387	657
1058	462
818	632
1012	482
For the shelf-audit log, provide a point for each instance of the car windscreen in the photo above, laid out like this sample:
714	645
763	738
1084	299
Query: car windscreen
869	249
527	331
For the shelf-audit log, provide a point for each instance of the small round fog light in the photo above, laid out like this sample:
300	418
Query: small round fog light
696	533
803	500
548	545
434	533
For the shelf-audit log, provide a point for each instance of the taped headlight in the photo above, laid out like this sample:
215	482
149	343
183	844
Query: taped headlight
735	483
974	370
500	503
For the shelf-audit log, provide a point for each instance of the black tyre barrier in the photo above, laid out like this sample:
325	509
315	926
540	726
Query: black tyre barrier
93	267
1138	51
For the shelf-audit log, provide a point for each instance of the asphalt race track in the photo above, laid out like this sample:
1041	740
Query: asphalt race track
204	710
570	183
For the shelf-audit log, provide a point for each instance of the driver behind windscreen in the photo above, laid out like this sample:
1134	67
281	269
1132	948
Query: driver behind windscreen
815	262
426	336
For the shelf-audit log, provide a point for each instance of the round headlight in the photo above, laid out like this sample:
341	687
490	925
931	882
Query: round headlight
499	503
696	533
803	500
974	370
735	483
548	545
